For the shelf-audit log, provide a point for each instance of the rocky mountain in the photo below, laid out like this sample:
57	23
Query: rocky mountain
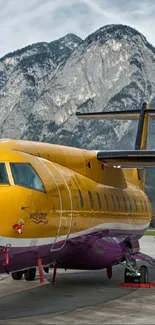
24	77
44	84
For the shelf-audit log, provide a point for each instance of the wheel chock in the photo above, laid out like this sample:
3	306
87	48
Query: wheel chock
137	285
152	284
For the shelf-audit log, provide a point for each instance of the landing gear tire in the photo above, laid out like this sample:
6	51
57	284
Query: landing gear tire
127	279
17	275
30	274
144	278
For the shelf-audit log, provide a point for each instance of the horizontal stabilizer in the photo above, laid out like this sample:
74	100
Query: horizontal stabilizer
117	115
128	158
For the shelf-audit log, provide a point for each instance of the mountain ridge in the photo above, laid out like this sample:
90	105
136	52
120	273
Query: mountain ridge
42	87
112	37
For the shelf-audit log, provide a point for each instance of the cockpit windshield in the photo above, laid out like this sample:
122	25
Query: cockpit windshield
3	174
25	175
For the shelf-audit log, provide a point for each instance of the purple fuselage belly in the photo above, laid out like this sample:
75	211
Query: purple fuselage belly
88	252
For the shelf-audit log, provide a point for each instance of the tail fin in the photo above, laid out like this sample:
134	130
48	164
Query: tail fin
142	130
141	138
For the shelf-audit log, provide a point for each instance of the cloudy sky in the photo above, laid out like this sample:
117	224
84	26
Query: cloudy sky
23	22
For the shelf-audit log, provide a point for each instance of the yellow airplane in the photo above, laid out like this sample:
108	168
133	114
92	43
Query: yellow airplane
72	208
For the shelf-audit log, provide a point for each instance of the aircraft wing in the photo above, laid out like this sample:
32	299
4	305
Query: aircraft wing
127	158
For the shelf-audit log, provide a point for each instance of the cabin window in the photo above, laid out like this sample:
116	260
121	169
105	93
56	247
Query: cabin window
117	198
145	206
129	201
141	205
106	201
3	174
135	204
90	199
125	204
114	203
99	201
81	198
25	175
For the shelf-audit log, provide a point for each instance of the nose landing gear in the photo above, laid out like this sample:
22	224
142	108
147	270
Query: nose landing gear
17	275
29	274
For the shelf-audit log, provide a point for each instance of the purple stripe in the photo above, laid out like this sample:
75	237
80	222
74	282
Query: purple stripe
92	251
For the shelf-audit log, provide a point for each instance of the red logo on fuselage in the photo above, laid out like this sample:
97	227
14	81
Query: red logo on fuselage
38	217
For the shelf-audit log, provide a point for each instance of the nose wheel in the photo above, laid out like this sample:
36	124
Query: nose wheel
30	274
17	275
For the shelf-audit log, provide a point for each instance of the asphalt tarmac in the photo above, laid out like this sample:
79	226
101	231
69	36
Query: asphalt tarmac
79	298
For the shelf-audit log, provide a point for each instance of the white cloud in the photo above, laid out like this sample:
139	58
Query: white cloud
25	22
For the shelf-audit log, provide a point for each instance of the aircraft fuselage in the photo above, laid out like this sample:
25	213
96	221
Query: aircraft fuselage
70	216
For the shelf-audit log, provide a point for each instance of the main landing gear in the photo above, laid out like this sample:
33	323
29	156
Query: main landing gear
132	273
140	275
